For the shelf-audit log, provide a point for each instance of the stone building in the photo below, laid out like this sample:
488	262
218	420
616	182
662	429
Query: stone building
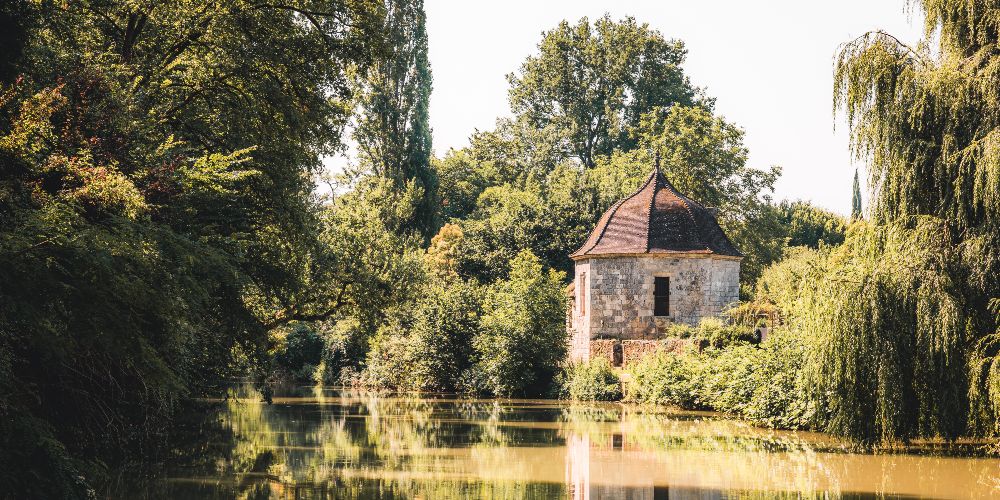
656	257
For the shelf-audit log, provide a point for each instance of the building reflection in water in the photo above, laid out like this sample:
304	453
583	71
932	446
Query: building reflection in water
579	452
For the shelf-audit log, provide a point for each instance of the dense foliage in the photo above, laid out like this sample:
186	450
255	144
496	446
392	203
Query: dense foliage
503	209
927	120
810	226
593	380
154	210
392	129
591	84
161	233
505	339
764	384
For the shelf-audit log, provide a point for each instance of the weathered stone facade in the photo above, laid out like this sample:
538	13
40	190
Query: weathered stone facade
613	296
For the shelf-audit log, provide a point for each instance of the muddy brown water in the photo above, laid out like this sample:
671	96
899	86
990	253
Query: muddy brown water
326	443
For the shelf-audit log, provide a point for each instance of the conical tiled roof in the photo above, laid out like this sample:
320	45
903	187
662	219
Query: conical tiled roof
657	219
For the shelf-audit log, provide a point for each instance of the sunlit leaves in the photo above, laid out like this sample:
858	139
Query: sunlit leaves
926	118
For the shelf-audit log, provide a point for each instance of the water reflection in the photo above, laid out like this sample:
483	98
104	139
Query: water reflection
321	443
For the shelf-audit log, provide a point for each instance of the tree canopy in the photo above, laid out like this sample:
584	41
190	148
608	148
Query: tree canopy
155	208
916	285
593	82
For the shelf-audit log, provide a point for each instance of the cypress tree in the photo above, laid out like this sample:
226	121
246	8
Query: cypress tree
856	198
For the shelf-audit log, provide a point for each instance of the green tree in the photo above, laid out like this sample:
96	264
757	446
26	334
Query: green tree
446	323
811	226
393	130
154	211
361	266
856	198
507	220
523	336
914	323
591	83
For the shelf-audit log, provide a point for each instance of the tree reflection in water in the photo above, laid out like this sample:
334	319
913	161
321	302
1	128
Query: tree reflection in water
324	443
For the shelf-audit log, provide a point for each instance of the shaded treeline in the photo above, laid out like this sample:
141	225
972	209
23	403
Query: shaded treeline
155	210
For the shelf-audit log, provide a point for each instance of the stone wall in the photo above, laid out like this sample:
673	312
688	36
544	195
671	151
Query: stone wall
613	296
634	350
620	293
579	330
603	349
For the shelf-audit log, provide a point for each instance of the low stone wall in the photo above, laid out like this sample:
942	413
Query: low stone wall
604	348
634	350
679	345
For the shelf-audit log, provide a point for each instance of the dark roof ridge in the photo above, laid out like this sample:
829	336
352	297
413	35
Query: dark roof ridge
652	200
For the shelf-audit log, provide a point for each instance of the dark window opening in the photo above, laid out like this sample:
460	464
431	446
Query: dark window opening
583	293
661	296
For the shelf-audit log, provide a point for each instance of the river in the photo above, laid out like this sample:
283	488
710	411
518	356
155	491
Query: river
325	443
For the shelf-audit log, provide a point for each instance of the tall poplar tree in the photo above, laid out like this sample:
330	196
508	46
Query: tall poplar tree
393	131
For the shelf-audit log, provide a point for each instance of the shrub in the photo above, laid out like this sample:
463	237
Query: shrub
427	345
346	345
593	380
763	383
667	378
716	332
389	359
445	324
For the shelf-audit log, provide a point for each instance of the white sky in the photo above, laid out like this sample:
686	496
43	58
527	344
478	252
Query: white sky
768	63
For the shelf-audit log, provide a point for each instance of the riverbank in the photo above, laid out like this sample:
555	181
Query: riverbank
333	443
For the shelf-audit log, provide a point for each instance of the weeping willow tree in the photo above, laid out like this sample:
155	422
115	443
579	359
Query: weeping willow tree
906	342
891	324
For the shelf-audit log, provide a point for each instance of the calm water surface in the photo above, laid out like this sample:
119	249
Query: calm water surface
323	443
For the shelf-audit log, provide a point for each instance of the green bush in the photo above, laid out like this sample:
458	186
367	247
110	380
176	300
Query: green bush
441	336
389	359
593	380
668	379
763	383
716	332
427	345
346	346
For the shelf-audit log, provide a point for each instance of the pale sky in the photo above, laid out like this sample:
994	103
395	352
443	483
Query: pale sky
769	64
